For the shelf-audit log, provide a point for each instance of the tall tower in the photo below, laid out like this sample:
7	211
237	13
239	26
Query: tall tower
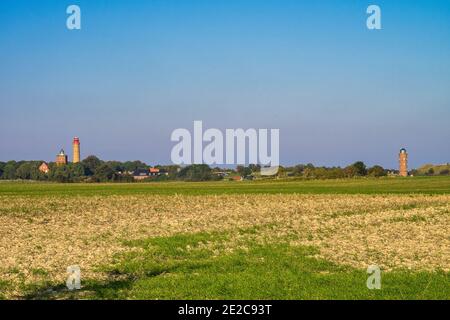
403	162
76	150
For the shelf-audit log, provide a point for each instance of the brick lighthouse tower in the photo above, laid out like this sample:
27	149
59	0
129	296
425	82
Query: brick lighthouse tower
76	150
403	162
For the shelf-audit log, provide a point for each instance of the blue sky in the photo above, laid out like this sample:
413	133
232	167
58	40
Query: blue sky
137	70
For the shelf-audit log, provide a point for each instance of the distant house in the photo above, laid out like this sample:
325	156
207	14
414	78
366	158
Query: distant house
392	173
140	174
44	168
222	174
154	172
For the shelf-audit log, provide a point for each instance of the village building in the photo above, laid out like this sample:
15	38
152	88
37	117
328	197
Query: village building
44	168
140	174
61	158
222	174
154	172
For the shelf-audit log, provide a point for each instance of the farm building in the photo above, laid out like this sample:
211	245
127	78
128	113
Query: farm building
44	168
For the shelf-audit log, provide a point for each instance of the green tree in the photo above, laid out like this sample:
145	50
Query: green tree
90	164
117	166
77	171
134	165
61	174
308	172
243	171
195	172
377	171
361	169
2	166
24	171
298	169
104	173
320	173
350	171
255	168
335	173
9	171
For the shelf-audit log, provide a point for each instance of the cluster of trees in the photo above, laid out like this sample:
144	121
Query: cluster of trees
357	169
248	171
197	172
432	170
91	169
21	170
309	171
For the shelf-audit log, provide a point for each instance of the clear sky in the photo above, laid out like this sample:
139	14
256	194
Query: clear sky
137	70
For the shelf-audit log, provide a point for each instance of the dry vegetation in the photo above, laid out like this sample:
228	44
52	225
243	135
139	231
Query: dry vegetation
44	235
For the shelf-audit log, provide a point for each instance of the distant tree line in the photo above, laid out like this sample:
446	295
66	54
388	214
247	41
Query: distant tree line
357	169
92	169
431	172
309	171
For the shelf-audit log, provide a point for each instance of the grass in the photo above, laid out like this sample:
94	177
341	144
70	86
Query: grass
164	269
410	185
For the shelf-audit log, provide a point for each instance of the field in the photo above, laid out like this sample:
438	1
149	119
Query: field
227	240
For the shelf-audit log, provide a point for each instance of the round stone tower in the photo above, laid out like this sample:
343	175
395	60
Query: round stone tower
76	150
403	162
